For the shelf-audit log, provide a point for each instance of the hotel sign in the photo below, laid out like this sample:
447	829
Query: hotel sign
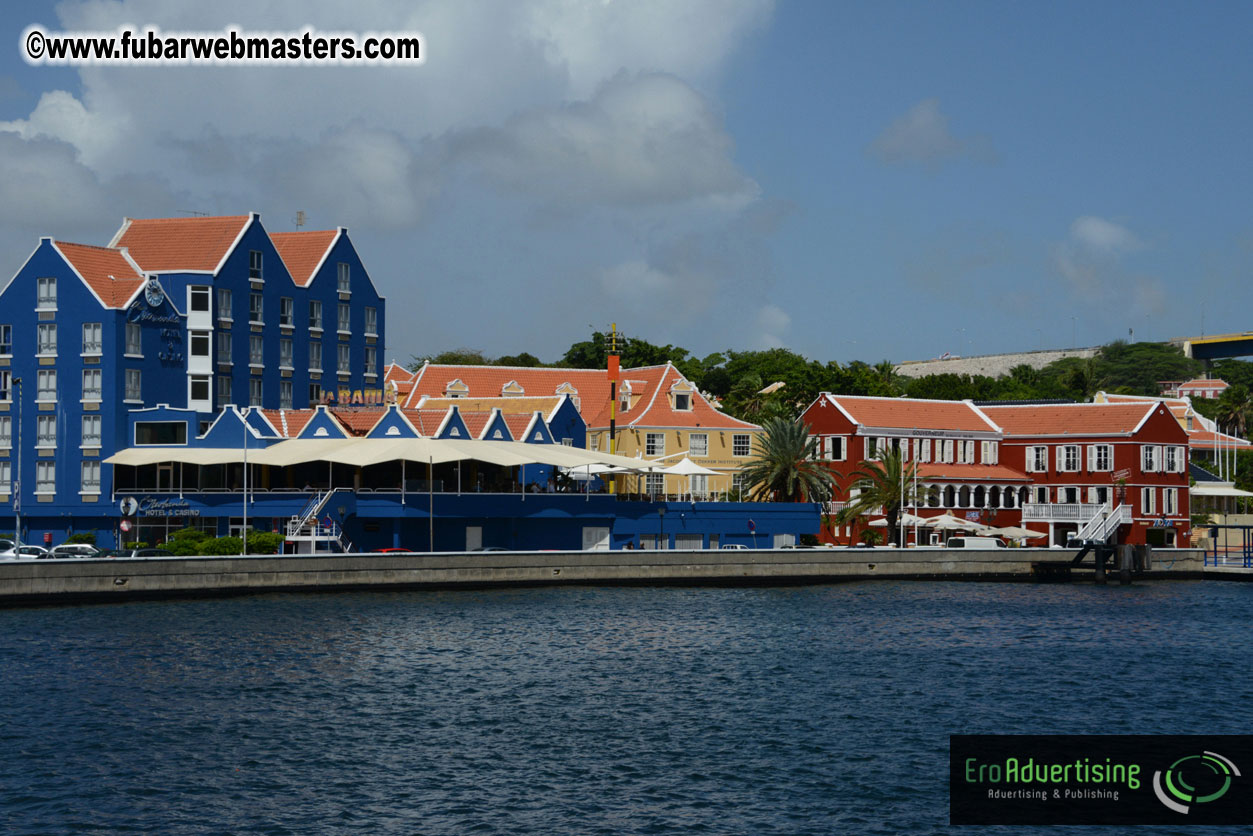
147	506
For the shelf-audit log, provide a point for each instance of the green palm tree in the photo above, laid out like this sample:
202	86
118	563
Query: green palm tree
786	467
1234	406
886	482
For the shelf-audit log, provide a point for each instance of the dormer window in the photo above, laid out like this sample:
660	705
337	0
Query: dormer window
512	389
456	389
683	401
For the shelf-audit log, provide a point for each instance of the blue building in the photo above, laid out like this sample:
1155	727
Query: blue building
196	313
204	372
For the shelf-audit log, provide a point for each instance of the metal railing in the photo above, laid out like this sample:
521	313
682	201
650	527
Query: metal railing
1080	512
1104	523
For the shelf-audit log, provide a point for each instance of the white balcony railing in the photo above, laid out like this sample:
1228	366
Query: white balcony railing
1079	512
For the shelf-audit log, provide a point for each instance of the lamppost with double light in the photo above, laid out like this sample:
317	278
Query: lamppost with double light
17	480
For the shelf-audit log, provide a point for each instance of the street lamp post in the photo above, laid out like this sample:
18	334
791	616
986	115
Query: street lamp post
661	527
17	481
244	415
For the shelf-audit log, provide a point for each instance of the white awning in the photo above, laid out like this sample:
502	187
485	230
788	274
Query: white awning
360	452
1217	489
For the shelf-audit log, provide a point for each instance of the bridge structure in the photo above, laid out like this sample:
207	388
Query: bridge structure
1216	346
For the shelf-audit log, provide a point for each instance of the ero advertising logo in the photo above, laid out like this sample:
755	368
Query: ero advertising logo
1099	779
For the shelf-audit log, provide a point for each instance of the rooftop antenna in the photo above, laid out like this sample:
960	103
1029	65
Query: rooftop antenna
300	218
193	212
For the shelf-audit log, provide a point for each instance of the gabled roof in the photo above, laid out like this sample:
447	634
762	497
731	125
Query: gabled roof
913	413
1080	419
180	244
358	421
303	252
112	276
650	383
1201	384
977	472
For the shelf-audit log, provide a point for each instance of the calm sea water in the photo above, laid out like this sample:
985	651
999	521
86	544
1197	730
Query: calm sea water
811	710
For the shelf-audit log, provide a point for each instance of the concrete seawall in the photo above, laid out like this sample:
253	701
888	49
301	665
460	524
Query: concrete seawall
48	581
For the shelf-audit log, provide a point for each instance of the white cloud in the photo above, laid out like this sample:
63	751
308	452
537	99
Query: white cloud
1102	236
773	325
921	135
1094	260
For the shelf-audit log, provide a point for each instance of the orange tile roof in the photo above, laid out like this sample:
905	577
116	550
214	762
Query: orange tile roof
1070	419
303	251
288	422
592	395
357	421
1201	383
912	413
971	472
106	271
174	244
1207	440
397	372
507	406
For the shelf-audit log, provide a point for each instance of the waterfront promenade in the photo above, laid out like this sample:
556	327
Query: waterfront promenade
45	581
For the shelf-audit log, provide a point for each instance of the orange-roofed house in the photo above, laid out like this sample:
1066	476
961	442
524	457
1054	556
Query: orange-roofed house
659	415
1125	461
956	448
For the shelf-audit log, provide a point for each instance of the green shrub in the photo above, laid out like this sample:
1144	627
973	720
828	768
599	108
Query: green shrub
221	546
189	534
184	546
135	544
264	542
88	537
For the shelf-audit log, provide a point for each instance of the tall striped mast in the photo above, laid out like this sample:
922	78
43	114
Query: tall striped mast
613	394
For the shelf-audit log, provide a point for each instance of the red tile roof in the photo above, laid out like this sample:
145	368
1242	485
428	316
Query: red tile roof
106	271
649	386
288	422
1070	419
357	421
912	413
1200	384
507	406
1207	440
303	251
971	472
174	244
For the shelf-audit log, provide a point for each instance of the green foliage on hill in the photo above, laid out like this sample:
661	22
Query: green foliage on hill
737	378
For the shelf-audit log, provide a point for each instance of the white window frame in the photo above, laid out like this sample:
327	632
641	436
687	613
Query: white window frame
256	391
1069	458
286	312
6	340
1095	453
343	318
134	347
224	352
89	438
967	452
93	339
256	308
256	266
343	358
46	339
654	444
704	445
225	310
199	291
1170	502
202	380
1150	458
683	407
46	386
315	315
371	361
89	477
6	432
285	394
256	351
924	450
1038	459
741	441
46	431
286	353
202	338
947	455
133	391
371	322
1173	461
46	293
315	346
1148	501
343	277
45	477
223	392
93	391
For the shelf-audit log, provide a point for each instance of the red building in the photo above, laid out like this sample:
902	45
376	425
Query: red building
1126	462
956	447
1089	470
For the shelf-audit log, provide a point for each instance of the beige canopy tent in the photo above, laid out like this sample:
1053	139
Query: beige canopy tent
360	452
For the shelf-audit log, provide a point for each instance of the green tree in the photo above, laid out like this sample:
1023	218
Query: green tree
887	482
785	468
524	360
1234	406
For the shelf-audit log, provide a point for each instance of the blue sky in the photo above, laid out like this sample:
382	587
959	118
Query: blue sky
852	181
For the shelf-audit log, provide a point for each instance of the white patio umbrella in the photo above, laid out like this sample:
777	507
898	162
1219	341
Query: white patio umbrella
1014	532
948	522
687	467
906	519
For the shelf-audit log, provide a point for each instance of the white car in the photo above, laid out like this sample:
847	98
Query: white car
23	553
73	550
735	546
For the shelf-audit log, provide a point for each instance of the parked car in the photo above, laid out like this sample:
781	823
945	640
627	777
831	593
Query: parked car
127	553
735	546
976	543
393	550
27	552
73	550
490	549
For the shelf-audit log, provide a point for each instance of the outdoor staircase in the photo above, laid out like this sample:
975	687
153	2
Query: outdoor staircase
1104	524
307	527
